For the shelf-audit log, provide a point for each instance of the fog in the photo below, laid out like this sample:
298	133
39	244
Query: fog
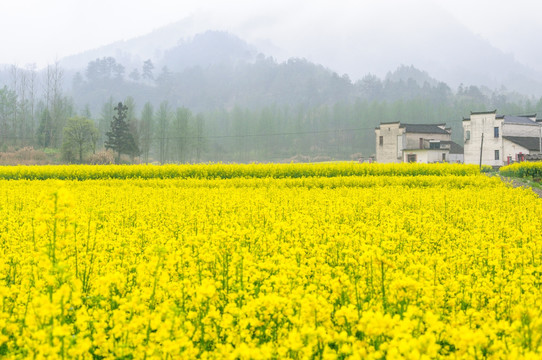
335	34
245	81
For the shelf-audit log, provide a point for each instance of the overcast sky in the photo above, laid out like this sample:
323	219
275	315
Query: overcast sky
41	31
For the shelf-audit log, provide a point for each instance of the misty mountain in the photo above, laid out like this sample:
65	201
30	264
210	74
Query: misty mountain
232	82
417	32
250	103
410	73
203	49
132	52
438	45
218	70
209	48
246	106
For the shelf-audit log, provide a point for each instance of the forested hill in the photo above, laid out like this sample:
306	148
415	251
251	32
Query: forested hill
217	70
258	109
222	85
247	80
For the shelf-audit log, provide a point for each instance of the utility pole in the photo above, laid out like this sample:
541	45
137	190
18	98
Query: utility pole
481	148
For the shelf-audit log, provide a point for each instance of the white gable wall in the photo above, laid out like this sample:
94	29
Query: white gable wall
389	151
485	124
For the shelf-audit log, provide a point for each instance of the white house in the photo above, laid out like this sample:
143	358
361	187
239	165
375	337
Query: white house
421	143
500	139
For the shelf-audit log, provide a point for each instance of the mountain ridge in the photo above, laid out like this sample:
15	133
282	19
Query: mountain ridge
471	61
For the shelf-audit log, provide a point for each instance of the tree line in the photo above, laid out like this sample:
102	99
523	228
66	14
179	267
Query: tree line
261	111
159	135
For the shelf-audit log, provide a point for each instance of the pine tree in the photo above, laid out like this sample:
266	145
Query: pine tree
120	139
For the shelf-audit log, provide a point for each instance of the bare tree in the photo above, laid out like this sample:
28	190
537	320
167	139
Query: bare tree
14	73
58	107
31	83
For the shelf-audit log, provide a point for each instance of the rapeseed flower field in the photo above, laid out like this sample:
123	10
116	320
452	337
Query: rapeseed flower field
524	169
334	261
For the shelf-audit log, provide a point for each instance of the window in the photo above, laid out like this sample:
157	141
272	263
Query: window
434	145
496	154
443	156
421	143
496	131
381	140
467	135
411	158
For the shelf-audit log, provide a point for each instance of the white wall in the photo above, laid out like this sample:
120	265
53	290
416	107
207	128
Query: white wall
483	124
388	152
456	158
521	130
425	156
511	149
413	139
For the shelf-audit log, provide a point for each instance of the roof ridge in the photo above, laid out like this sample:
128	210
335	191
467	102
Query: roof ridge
439	124
483	112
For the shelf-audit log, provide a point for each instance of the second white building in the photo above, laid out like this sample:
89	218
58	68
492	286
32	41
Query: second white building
498	140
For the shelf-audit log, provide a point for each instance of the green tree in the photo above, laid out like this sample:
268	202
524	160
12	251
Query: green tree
45	129
8	105
163	117
240	124
148	67
146	130
180	133
119	138
132	121
200	142
80	136
86	112
105	120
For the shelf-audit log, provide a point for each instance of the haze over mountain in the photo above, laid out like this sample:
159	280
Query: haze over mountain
361	44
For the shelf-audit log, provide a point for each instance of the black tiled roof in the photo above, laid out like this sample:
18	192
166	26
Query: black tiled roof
454	147
518	120
424	128
530	143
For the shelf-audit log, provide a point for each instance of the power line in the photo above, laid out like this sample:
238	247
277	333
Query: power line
313	132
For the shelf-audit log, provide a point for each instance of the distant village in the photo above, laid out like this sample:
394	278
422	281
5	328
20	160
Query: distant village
488	139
